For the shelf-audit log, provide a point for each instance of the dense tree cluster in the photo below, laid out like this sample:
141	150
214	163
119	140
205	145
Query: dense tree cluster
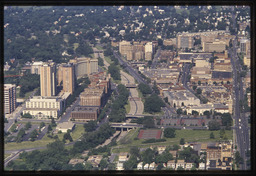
117	108
93	139
169	133
153	104
145	89
114	72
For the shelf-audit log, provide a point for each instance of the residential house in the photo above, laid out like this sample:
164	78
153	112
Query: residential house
171	164
119	166
201	166
188	166
123	156
95	160
174	153
140	166
146	166
180	163
152	166
161	149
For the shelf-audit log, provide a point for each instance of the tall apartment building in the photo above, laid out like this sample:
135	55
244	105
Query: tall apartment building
148	51
66	75
35	67
126	49
84	66
245	46
9	98
48	79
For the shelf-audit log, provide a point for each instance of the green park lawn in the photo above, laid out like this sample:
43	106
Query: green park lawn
189	136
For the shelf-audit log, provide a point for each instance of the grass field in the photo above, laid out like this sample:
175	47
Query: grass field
127	107
188	135
79	130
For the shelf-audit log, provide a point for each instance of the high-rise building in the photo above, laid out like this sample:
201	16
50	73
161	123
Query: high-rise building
35	67
9	98
66	75
148	51
84	66
48	79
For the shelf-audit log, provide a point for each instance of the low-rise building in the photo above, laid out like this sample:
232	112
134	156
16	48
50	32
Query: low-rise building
85	113
44	107
65	126
95	160
123	156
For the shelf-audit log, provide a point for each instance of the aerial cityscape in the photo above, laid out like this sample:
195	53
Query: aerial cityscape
127	88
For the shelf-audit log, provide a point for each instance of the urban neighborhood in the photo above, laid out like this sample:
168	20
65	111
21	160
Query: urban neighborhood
120	88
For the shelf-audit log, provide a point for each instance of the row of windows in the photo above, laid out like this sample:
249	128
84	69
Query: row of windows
42	105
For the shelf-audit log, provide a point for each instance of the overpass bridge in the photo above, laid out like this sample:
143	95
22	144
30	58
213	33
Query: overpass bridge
125	126
141	115
129	85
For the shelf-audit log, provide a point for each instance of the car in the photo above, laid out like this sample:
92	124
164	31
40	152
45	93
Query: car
239	127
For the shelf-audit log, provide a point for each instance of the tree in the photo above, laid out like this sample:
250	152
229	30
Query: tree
155	88
79	166
28	125
49	128
148	122
148	156
90	126
27	115
100	61
67	136
182	141
53	123
169	133
114	72
131	163
213	125
42	124
226	119
33	135
222	133
153	104
198	91
179	111
103	164
144	88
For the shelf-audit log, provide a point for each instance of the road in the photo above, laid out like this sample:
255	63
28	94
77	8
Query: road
241	122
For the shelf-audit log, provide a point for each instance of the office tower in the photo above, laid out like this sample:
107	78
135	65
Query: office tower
9	98
48	79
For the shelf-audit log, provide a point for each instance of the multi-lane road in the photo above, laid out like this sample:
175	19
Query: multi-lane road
241	122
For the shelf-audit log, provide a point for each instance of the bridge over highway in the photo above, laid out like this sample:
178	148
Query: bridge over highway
125	126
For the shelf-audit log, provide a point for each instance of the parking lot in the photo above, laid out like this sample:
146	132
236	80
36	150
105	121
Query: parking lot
28	132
